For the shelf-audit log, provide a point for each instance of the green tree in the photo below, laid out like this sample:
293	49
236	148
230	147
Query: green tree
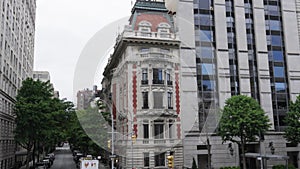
242	121
55	128
88	131
41	120
32	100
292	132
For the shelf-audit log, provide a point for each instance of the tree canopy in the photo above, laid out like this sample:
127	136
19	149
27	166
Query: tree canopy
242	121
88	131
292	132
41	119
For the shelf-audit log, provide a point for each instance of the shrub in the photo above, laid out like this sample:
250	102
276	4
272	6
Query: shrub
283	167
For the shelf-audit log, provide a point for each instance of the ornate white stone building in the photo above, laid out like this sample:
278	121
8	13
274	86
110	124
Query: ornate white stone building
17	30
144	78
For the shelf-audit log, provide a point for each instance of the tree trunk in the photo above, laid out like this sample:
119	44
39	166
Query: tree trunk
44	153
33	153
28	158
38	150
243	155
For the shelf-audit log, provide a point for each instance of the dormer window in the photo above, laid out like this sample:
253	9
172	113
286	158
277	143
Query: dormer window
164	30
145	28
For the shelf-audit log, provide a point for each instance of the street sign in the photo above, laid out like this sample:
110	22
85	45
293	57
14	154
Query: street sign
89	164
112	156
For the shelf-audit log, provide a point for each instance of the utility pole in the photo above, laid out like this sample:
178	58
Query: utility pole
132	145
112	140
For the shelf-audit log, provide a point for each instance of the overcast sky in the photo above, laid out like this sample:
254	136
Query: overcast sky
63	28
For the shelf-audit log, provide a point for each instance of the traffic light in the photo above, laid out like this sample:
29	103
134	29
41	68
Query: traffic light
170	161
109	143
133	137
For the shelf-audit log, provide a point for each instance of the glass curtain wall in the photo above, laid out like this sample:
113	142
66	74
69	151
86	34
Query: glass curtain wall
205	52
277	62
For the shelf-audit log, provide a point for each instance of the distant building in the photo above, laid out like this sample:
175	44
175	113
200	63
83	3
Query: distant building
17	31
84	98
56	94
44	76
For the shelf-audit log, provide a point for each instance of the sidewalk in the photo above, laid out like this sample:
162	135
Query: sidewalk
30	164
102	166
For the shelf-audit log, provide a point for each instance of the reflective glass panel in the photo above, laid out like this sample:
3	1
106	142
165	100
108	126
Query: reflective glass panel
207	69
208	85
276	40
206	52
204	4
275	25
206	35
279	87
277	55
278	71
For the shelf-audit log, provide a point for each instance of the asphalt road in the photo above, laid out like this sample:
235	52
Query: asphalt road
63	160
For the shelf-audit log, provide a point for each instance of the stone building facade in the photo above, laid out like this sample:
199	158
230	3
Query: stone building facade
144	78
17	30
84	99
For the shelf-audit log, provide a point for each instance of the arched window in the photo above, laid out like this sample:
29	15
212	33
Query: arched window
145	26
164	29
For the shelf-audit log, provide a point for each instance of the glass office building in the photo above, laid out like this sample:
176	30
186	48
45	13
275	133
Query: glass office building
248	47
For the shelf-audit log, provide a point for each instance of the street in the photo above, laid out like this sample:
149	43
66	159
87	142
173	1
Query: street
63	160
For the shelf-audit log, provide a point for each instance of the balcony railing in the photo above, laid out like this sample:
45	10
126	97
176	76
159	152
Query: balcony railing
166	142
157	81
159	141
144	82
145	107
156	55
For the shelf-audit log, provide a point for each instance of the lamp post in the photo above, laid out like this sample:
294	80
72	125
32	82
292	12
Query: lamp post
112	131
261	139
112	139
132	138
131	144
131	135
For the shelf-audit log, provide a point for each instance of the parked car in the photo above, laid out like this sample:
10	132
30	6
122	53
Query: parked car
48	162
43	164
75	152
51	160
52	156
77	157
